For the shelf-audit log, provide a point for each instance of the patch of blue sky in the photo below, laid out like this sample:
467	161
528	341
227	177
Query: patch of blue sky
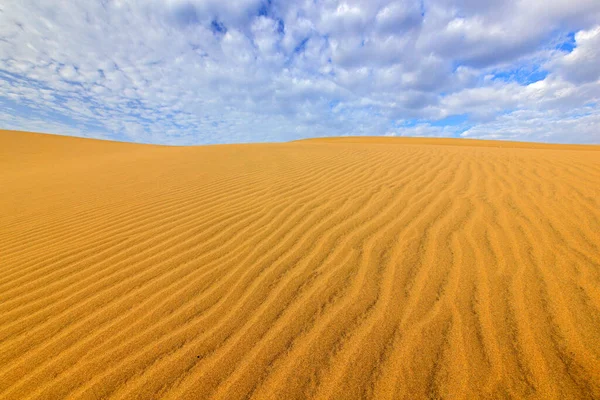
301	46
298	50
587	110
140	118
265	8
218	27
455	64
333	104
569	44
14	107
10	77
523	76
451	120
23	81
25	111
405	123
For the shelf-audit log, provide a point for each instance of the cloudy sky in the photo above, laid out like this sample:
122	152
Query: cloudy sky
222	71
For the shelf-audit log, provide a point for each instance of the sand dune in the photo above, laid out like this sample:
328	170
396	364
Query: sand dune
335	268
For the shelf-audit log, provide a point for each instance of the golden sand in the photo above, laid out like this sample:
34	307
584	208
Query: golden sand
335	268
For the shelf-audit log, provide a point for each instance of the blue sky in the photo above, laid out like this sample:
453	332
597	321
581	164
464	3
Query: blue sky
213	71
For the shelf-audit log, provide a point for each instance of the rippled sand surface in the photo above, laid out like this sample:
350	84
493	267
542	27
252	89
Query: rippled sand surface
351	268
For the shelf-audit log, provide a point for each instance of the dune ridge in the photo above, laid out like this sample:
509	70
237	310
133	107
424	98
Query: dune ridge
329	268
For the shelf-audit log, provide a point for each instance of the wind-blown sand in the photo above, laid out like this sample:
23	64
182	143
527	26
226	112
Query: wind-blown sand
333	268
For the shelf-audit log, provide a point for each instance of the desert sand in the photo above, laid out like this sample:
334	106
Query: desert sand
341	268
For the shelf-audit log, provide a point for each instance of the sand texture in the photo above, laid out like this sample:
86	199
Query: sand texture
346	268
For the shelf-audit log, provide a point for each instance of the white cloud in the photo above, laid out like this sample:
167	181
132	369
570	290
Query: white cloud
191	71
583	63
577	126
